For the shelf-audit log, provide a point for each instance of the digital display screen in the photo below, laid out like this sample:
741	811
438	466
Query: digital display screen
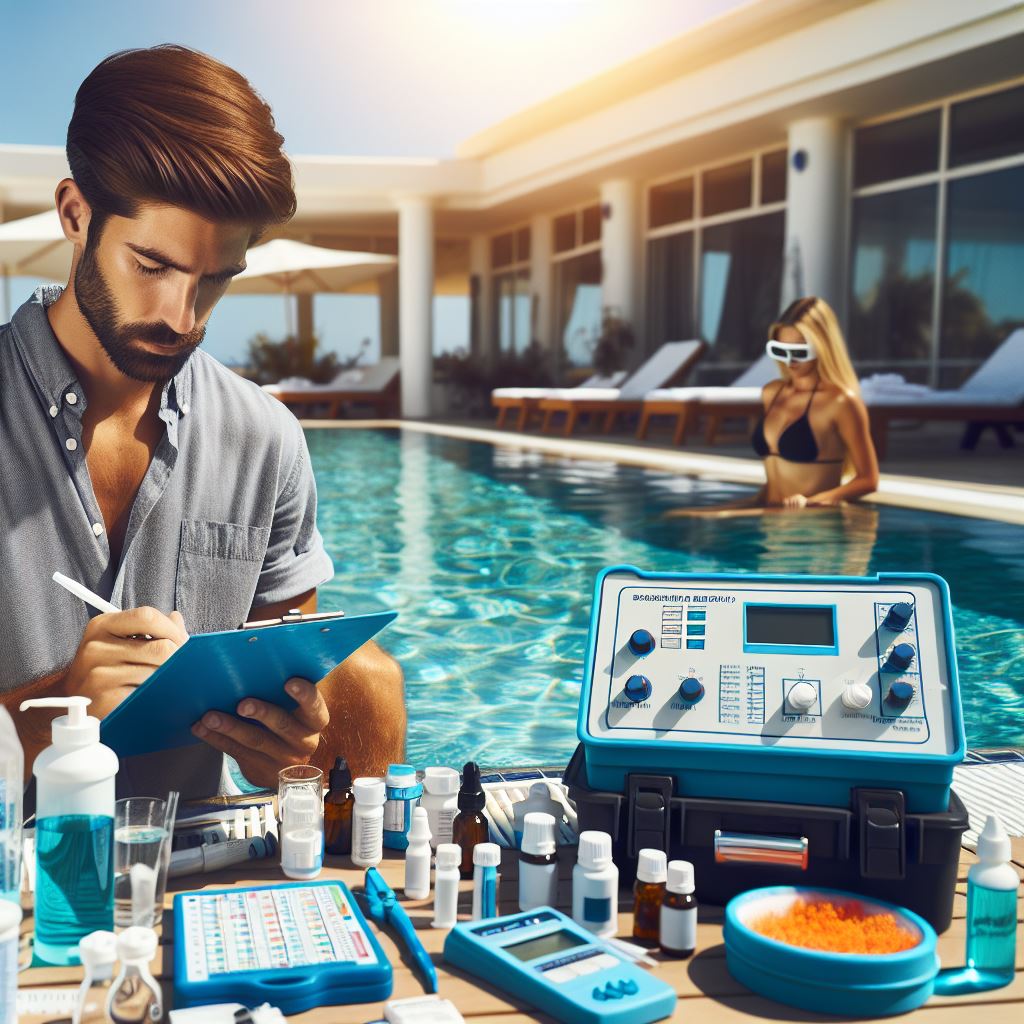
791	626
554	942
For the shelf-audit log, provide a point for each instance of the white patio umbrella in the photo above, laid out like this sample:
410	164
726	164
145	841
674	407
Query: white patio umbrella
33	247
295	268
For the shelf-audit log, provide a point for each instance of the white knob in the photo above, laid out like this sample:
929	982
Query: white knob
857	696
802	697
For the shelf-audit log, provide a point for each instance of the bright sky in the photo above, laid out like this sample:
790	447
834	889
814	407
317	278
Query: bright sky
351	77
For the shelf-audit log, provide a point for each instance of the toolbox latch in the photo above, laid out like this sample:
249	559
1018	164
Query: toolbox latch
649	803
881	817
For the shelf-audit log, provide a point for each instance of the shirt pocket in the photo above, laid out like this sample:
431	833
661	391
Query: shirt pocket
218	568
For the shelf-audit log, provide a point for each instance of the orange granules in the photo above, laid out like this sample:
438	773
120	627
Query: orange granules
836	928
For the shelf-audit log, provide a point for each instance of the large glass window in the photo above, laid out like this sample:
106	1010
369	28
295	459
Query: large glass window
741	277
512	309
987	128
983	290
578	290
670	203
896	149
727	188
773	176
670	289
892	280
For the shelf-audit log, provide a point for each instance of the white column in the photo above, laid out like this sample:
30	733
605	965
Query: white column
416	303
619	249
815	225
387	301
482	340
541	283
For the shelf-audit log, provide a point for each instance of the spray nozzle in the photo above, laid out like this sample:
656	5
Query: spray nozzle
76	728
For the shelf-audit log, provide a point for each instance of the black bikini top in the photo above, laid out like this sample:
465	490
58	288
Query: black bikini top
796	442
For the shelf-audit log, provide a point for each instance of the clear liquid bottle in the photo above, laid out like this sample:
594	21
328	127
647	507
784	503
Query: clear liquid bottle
12	761
135	997
74	832
992	905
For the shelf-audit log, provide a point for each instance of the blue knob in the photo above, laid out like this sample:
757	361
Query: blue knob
691	690
638	688
898	616
900	694
641	642
900	658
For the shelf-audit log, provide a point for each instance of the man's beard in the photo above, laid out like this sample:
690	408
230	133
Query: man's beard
96	301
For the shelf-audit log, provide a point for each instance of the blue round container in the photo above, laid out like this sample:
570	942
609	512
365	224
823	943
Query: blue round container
848	984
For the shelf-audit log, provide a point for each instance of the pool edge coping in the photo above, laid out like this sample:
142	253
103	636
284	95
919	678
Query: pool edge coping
976	501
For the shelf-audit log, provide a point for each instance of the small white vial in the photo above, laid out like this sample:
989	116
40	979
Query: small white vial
135	997
368	822
595	885
302	835
678	931
538	866
446	885
417	857
98	953
486	861
441	802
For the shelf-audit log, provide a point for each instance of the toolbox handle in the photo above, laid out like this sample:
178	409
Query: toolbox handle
753	849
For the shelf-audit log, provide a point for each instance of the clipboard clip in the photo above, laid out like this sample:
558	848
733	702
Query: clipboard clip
293	616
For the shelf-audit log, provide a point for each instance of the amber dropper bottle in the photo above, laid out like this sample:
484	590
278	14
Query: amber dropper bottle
649	890
469	826
338	804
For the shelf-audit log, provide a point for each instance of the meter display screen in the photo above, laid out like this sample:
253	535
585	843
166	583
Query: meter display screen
554	942
791	626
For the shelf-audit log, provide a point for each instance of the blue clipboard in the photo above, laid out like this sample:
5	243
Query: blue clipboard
297	946
214	671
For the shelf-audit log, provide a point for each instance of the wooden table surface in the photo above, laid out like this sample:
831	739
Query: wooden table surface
707	992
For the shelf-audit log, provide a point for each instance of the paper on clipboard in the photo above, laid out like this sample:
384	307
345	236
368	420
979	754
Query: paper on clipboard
214	671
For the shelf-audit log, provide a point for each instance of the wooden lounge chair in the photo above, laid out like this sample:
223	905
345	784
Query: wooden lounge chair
670	364
376	386
684	405
525	401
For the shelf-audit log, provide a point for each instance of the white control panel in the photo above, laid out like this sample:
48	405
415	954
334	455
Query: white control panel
813	664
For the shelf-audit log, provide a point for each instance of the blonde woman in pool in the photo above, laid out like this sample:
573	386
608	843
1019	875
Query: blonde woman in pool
814	434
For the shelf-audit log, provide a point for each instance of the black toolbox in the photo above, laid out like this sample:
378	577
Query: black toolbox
873	847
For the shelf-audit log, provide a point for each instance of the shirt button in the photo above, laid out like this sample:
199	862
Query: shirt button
97	528
184	408
53	410
71	398
71	444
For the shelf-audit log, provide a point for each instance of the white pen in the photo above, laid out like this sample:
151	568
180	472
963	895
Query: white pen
76	588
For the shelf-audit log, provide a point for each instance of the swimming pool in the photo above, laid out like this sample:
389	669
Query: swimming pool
489	555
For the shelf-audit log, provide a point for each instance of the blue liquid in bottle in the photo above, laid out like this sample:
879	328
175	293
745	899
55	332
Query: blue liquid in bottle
74	883
991	930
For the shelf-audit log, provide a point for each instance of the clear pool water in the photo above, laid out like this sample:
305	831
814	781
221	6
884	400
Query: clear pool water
489	555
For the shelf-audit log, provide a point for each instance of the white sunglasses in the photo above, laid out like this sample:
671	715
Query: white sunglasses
784	352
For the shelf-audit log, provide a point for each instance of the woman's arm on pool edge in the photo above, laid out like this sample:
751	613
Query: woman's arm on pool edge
855	429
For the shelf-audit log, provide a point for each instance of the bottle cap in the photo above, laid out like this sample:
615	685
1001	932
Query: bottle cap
449	855
595	850
76	728
301	807
487	855
680	876
471	796
341	775
441	781
400	776
993	843
419	828
136	943
368	790
98	953
538	833
651	866
300	849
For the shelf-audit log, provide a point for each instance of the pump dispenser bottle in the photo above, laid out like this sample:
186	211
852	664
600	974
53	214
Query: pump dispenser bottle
338	804
992	904
469	826
74	832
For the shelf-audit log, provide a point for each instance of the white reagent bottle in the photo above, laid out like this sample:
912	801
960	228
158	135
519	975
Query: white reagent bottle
595	885
135	997
417	857
678	930
446	885
486	861
441	802
302	835
368	821
538	866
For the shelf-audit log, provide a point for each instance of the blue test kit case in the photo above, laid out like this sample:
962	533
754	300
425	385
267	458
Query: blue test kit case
688	743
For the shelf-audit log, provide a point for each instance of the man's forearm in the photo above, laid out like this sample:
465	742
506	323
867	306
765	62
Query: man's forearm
366	699
34	726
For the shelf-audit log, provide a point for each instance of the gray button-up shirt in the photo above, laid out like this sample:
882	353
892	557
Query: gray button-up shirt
225	518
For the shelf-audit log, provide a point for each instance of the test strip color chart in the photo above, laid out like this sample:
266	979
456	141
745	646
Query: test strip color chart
267	929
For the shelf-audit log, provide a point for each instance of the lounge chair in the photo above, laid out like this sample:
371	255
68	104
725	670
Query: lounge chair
670	364
992	395
685	405
376	386
525	400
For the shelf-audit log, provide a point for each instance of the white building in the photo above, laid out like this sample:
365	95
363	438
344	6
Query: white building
868	152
